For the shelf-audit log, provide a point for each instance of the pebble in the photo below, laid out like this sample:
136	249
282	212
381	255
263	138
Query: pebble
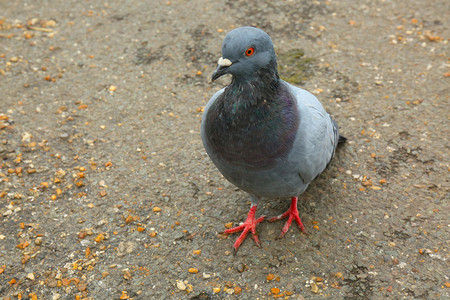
30	276
240	267
56	296
52	283
50	23
177	235
362	276
181	286
38	241
314	288
82	287
85	243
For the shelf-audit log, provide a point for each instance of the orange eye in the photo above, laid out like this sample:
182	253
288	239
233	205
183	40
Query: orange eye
249	51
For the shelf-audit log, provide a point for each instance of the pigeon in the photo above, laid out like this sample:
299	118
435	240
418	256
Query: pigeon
266	136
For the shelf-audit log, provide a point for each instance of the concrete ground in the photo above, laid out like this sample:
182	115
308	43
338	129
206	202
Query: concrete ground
106	191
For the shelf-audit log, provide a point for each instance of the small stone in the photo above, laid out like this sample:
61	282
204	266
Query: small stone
52	283
362	276
30	276
38	241
314	288
240	267
222	236
181	286
82	286
56	296
50	23
126	274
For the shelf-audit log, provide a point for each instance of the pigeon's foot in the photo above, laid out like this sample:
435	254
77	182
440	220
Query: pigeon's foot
249	225
291	213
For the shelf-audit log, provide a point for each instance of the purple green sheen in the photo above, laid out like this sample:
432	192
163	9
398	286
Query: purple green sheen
253	123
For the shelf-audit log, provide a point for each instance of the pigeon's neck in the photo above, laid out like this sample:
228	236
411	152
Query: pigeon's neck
253	123
255	88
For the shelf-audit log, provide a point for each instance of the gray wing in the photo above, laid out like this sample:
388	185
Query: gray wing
317	137
336	138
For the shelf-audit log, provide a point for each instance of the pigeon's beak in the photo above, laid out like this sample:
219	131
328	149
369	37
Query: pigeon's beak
222	68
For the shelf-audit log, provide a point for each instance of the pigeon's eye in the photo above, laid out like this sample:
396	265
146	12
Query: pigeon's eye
249	51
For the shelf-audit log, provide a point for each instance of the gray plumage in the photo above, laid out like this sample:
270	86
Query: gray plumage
266	136
315	140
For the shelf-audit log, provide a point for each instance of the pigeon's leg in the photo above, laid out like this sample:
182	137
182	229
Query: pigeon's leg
291	213
248	225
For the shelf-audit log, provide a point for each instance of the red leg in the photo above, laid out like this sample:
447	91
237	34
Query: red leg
291	213
249	225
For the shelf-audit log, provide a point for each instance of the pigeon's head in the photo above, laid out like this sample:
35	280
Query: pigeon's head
245	51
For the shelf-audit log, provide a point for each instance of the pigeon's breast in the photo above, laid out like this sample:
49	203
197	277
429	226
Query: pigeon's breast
253	135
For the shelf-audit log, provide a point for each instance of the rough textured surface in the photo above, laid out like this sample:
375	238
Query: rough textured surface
106	191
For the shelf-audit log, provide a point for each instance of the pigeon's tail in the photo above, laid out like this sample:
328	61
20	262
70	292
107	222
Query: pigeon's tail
337	137
342	139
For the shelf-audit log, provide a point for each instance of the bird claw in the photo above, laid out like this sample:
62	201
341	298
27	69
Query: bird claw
234	229
291	214
276	218
248	226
